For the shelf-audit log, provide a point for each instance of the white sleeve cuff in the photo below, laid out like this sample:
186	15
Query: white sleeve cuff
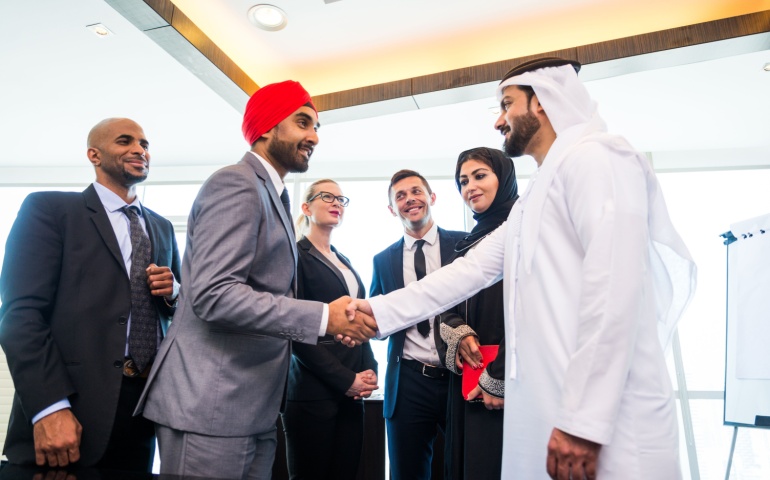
324	320
60	405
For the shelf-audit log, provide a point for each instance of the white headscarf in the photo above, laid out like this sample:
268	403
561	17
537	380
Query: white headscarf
564	98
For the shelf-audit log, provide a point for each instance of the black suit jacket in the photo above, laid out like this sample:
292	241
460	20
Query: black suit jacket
326	370
66	300
388	275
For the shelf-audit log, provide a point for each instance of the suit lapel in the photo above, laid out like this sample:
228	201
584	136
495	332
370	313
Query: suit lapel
327	263
447	246
275	197
345	260
396	252
103	225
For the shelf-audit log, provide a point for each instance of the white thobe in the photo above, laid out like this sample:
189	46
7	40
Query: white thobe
581	332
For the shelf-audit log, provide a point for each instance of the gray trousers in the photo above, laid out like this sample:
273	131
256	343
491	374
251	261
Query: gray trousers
194	455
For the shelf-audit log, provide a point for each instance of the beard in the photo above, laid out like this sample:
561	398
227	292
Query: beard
525	127
121	175
288	156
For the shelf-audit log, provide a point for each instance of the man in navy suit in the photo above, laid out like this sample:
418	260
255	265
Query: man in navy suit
67	289
415	382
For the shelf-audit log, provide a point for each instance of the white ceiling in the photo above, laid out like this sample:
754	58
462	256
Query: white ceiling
57	79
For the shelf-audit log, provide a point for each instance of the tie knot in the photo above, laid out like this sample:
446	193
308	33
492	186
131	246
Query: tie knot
285	196
419	244
131	210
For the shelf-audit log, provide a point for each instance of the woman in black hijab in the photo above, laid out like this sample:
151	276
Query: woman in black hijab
486	180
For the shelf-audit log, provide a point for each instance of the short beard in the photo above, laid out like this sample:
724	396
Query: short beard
131	180
524	128
287	155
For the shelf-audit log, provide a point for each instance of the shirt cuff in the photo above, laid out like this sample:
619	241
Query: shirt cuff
60	405
324	320
174	293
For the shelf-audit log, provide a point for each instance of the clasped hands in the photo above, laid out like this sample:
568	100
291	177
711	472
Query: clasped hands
351	321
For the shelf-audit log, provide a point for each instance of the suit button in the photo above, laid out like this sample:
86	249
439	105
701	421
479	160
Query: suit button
123	320
117	364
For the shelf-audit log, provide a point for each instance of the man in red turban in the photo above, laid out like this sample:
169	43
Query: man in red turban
217	383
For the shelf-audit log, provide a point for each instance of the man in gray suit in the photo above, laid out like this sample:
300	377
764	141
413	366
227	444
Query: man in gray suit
219	377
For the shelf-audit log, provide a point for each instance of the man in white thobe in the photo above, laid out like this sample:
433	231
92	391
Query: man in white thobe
597	278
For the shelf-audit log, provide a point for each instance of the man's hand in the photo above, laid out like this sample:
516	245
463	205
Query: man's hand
57	439
160	280
490	401
357	328
571	457
468	353
363	386
355	306
359	305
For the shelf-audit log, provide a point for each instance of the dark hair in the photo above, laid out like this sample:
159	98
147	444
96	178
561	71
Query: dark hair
482	154
402	174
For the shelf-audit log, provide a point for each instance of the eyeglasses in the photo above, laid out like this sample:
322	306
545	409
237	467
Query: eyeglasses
329	198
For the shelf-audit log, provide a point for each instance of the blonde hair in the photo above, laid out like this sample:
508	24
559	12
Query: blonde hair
303	223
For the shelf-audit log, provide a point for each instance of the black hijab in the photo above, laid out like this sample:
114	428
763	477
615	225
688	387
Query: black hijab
507	193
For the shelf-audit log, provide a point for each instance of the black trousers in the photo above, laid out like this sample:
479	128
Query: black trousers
324	438
132	443
419	416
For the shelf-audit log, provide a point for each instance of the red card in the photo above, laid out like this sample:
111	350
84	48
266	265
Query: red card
471	376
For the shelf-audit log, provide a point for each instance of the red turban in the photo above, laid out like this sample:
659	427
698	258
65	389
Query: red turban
270	105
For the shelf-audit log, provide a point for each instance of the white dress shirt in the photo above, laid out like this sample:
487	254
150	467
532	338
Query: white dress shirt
417	347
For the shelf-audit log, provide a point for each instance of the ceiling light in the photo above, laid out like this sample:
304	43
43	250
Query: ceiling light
268	17
766	67
99	30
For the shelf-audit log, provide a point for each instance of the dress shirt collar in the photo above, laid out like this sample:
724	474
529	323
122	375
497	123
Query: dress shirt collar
430	237
112	201
276	179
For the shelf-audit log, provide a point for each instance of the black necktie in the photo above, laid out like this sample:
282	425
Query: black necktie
419	269
142	338
286	202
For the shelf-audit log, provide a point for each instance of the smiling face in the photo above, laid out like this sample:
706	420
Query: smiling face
478	185
517	122
320	213
411	202
119	151
290	143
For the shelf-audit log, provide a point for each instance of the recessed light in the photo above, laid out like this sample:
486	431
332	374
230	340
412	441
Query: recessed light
766	67
99	30
268	17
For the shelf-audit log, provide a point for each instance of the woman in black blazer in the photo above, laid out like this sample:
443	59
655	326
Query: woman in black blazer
324	415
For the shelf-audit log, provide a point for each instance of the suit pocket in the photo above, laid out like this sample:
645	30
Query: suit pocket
228	331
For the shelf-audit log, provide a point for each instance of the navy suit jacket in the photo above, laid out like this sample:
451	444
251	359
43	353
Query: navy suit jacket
388	276
66	301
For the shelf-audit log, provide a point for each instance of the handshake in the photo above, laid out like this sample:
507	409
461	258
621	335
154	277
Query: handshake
351	321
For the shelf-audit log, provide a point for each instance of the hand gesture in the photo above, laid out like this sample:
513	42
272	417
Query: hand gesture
468	352
57	439
357	328
571	457
363	386
490	401
355	307
160	280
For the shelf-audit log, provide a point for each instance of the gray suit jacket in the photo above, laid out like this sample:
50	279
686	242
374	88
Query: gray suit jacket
221	371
